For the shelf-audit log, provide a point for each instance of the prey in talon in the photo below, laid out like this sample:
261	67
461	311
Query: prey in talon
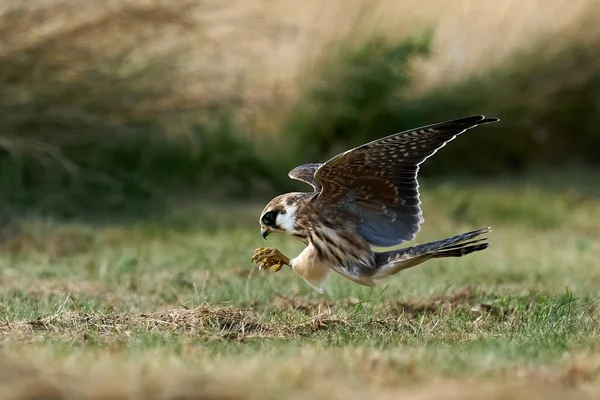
270	257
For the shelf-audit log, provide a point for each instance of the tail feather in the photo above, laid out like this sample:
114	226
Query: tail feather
461	251
392	262
462	244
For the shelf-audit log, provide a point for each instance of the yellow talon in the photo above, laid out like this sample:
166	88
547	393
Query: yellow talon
269	257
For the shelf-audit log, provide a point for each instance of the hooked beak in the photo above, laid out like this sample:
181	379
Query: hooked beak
265	230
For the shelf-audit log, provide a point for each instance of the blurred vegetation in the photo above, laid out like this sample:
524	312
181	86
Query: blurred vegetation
547	101
354	100
546	97
89	125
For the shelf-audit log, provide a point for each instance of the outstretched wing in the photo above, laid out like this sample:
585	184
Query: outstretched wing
381	178
306	173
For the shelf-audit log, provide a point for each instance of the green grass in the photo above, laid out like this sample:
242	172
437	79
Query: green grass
181	289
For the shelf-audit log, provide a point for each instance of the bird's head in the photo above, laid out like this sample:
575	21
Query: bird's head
280	214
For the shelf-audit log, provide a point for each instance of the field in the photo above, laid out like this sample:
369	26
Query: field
140	139
171	307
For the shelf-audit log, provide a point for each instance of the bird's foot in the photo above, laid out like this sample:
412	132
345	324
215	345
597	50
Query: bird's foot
270	257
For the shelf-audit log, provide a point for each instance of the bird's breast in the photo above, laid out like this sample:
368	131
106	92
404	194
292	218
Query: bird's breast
311	267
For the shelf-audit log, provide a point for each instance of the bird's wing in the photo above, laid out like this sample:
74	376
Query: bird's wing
381	178
306	173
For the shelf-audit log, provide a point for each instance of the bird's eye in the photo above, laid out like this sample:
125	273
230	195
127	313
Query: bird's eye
269	218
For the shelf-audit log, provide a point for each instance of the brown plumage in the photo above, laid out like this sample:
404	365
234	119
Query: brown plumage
367	196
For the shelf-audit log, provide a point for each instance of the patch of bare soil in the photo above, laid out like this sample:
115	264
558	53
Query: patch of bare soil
299	303
463	299
459	300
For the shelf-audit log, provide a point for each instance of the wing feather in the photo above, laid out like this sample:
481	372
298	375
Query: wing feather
380	178
306	173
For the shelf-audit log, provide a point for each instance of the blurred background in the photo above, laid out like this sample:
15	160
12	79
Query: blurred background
115	107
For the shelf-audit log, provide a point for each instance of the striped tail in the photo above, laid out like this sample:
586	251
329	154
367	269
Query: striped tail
391	262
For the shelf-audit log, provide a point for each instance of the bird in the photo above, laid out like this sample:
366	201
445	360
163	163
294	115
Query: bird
363	198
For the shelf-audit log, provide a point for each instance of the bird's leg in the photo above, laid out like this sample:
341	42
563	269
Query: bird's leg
270	257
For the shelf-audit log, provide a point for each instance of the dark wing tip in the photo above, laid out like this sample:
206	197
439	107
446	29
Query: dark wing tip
458	125
488	120
472	121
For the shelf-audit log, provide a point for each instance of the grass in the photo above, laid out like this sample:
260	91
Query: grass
168	306
172	308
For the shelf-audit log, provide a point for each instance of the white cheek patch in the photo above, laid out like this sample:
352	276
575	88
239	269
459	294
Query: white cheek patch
287	221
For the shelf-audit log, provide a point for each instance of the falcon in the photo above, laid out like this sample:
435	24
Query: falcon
367	196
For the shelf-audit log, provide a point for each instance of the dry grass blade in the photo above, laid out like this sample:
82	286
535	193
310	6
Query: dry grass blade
226	322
